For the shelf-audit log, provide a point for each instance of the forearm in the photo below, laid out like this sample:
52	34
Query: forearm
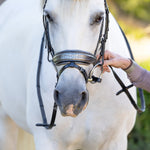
139	76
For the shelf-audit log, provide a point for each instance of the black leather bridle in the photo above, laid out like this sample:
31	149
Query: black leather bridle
73	59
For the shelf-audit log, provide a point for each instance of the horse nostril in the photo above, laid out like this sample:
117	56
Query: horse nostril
56	96
82	103
83	96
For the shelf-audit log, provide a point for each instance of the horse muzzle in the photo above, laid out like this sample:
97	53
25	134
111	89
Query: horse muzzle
70	93
71	103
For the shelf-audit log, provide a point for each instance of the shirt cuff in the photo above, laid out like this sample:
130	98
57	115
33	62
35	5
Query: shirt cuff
131	68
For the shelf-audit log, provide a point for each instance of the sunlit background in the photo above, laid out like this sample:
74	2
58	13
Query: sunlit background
134	18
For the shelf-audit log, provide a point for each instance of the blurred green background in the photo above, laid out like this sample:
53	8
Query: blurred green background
137	8
134	18
132	15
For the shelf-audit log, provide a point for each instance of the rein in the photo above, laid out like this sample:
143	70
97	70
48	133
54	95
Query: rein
71	59
44	118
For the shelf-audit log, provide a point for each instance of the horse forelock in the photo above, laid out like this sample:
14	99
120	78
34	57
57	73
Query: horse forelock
73	3
79	5
45	1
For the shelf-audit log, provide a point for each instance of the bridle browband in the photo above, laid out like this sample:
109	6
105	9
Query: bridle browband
73	59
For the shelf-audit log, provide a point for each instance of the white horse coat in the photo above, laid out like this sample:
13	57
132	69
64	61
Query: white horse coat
108	118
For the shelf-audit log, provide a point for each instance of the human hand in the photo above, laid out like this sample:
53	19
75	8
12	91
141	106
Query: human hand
115	60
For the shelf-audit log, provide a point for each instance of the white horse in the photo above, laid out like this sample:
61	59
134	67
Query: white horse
74	25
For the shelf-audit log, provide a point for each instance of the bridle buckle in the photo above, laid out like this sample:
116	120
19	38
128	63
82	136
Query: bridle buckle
94	79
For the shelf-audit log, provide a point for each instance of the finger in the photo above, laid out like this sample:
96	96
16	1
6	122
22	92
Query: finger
97	56
108	62
106	54
106	69
109	55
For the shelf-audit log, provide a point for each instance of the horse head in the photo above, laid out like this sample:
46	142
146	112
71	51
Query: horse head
73	26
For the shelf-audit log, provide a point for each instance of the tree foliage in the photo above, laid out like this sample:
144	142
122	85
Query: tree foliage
138	8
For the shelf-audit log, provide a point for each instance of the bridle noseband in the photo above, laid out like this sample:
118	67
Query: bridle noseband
73	59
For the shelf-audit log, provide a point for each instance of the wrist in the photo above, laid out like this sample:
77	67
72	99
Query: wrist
126	64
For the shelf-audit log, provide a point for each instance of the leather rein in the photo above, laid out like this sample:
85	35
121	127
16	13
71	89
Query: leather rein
73	59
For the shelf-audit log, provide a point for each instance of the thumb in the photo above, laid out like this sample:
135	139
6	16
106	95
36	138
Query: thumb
108	62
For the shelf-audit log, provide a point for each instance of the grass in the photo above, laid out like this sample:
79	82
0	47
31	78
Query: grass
140	136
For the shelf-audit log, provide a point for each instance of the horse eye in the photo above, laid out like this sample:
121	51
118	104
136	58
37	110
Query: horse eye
50	18
97	19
